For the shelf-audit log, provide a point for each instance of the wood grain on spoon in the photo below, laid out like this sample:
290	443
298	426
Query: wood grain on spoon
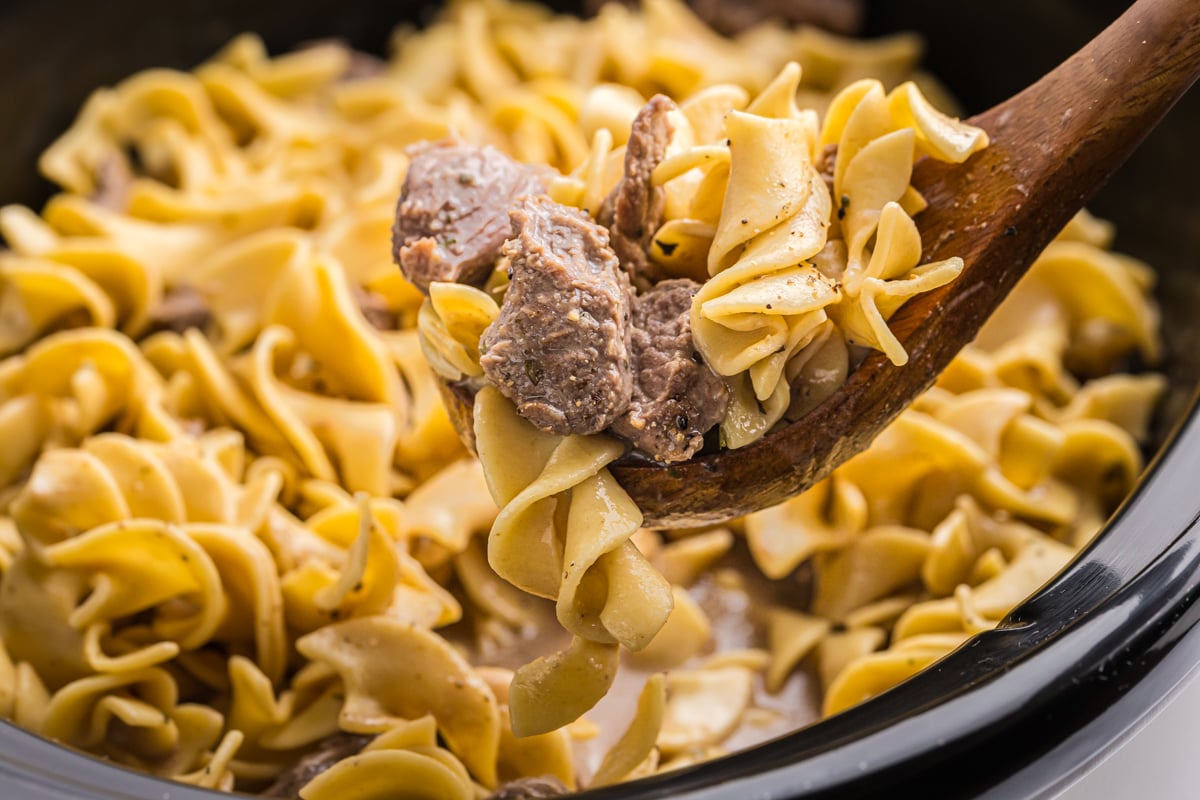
1052	146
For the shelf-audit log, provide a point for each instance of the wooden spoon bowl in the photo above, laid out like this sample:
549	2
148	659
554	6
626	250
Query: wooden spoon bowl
1052	147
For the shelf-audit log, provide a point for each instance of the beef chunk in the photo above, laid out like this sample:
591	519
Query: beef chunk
529	789
635	208
375	309
560	347
677	398
181	308
734	16
363	65
452	216
113	182
327	753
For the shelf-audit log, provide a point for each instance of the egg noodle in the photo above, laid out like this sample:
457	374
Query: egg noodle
237	526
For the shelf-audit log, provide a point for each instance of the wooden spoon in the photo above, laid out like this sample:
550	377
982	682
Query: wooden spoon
1052	147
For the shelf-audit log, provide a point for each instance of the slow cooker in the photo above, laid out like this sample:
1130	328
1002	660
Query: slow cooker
1025	710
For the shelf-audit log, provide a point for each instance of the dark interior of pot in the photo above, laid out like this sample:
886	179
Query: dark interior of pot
53	54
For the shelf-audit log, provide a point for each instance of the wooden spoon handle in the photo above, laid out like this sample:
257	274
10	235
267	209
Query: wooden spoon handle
1053	145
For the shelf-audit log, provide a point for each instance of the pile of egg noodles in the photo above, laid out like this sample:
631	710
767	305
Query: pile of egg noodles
236	523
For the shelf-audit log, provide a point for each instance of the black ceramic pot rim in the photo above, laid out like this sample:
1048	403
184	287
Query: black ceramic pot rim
1062	679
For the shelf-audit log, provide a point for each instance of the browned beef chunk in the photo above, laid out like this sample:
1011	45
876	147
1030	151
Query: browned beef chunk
635	208
364	65
375	309
452	216
529	789
677	398
181	307
735	16
113	181
327	753
560	347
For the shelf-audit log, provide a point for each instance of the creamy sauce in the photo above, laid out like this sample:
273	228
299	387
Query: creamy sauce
735	597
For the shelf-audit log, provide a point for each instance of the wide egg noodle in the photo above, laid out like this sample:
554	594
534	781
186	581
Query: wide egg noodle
364	573
200	732
587	571
491	596
874	673
49	511
428	442
574	679
637	743
146	484
263	717
682	562
251	582
824	518
34	610
877	138
383	774
791	636
134	658
82	712
446	511
759	310
880	561
306	419
685	634
606	590
449	326
234	279
122	114
368	653
543	754
704	706
35	295
217	773
82	379
136	565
